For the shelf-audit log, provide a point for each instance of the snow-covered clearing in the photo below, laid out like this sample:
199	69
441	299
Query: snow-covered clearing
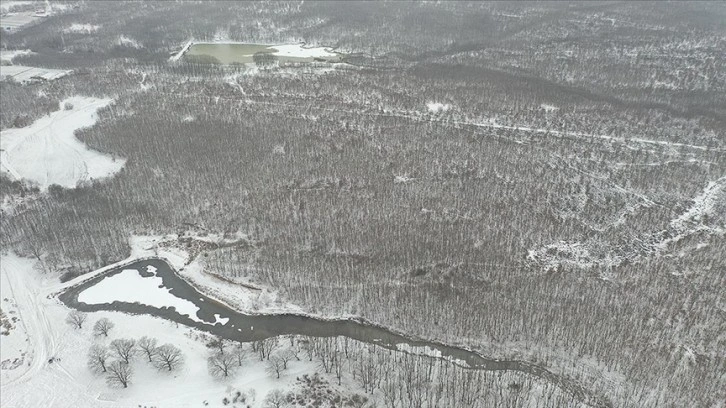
703	205
436	107
709	204
67	382
77	28
299	51
125	41
8	56
129	286
23	74
47	152
181	52
548	107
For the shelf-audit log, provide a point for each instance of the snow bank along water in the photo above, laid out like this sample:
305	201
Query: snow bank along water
243	53
158	288
47	152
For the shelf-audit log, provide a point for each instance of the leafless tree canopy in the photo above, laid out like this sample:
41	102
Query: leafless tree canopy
222	364
76	319
119	373
274	365
97	357
544	180
275	399
102	326
168	357
124	349
147	345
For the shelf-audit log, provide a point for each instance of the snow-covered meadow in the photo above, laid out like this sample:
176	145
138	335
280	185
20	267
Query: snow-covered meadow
47	152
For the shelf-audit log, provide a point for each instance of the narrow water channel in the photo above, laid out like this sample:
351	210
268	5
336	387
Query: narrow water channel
246	328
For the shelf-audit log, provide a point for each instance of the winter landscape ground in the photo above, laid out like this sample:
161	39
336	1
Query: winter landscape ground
357	204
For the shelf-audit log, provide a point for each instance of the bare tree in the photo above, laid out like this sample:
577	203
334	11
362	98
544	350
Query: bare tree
168	357
221	364
338	365
274	365
275	399
119	373
219	344
97	357
148	347
76	319
285	356
266	347
124	349
102	327
240	352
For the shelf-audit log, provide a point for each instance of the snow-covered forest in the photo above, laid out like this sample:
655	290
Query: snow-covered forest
540	182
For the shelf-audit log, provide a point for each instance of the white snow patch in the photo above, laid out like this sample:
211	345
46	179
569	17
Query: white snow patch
702	205
428	352
219	319
570	253
128	42
549	108
130	287
181	52
436	107
81	28
299	51
47	152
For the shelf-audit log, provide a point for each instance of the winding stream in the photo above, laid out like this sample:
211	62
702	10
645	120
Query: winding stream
212	316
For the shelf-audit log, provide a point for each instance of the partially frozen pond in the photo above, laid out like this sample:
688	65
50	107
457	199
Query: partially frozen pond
243	53
131	286
152	287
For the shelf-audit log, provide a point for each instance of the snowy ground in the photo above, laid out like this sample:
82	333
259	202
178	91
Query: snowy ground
77	28
67	382
47	151
8	56
22	74
280	50
300	51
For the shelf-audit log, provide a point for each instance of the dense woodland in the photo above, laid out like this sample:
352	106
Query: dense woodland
546	215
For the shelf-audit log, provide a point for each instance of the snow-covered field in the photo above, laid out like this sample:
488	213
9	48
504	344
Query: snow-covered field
47	152
20	73
8	56
300	51
436	107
